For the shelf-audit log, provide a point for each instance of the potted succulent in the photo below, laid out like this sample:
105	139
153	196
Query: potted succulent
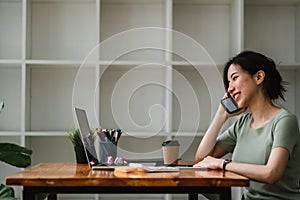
74	136
14	155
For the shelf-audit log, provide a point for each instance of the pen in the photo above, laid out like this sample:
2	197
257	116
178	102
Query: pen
119	131
115	137
112	134
106	132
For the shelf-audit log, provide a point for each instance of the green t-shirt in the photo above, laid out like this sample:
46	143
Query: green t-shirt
254	146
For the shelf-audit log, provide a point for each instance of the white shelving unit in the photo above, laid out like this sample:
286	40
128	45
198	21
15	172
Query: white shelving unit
156	73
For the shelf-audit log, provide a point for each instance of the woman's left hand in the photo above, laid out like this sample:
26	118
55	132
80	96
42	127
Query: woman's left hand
210	163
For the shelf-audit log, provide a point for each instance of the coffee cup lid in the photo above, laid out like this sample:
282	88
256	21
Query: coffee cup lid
170	143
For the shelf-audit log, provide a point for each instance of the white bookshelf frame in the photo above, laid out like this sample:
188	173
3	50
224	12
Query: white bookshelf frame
58	38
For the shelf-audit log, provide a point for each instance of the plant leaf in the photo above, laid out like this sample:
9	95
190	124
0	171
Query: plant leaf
74	136
15	155
6	192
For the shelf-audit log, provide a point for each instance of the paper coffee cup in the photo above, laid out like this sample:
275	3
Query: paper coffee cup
170	151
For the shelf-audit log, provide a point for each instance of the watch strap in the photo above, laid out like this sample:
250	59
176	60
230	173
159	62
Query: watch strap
226	161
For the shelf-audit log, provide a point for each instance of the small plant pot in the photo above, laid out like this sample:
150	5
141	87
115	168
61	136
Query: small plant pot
80	155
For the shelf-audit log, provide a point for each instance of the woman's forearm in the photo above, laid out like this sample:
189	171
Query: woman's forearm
269	173
207	144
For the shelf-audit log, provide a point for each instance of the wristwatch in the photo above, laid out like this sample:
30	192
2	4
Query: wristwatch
226	161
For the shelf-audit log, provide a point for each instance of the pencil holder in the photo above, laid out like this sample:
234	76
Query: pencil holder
108	152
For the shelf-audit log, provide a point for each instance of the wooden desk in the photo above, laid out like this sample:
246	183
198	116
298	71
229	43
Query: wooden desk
53	178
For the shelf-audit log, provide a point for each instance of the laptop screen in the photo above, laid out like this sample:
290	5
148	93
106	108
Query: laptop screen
86	137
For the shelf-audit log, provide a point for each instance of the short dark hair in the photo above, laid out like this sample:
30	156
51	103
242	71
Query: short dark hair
251	62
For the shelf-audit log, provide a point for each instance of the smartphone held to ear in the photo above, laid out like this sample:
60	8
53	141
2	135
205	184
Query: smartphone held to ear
230	105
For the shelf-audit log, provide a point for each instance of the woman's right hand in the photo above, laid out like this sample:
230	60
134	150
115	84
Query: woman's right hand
222	111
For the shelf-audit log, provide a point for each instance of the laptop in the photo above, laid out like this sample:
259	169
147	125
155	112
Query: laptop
88	141
92	158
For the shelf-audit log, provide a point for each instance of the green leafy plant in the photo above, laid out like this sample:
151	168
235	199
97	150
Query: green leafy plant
74	136
6	193
14	155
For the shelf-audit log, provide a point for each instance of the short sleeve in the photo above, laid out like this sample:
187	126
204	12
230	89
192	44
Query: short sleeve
228	139
286	132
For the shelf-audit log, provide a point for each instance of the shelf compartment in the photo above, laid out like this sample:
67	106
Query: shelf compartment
151	147
51	149
188	146
61	30
11	29
10	90
137	96
273	29
125	30
290	76
15	139
191	100
51	95
214	35
188	134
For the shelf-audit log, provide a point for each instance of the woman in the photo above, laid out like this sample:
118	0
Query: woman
265	140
